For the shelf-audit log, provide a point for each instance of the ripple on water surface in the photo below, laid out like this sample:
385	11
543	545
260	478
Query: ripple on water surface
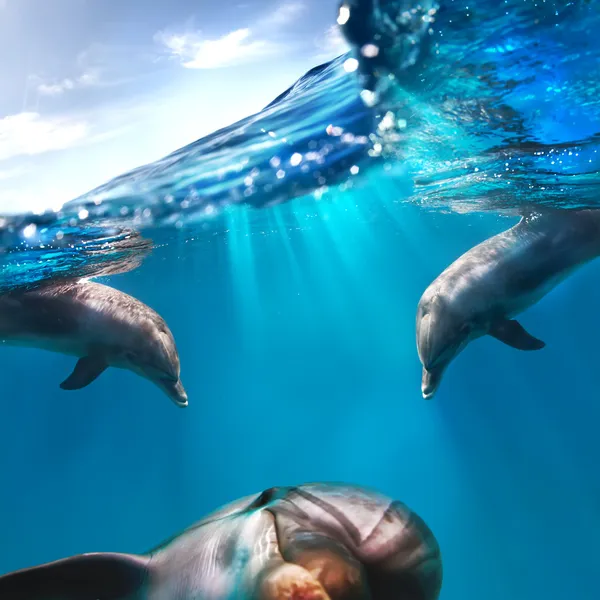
490	106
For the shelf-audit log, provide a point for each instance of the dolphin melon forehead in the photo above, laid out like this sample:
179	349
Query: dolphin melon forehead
109	301
450	295
363	508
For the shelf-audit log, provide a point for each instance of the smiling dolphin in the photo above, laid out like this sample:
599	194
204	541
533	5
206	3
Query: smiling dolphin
311	542
481	292
99	324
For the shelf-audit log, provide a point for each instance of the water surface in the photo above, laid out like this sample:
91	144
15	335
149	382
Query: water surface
287	253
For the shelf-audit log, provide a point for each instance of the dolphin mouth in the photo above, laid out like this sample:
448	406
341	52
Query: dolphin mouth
175	391
430	382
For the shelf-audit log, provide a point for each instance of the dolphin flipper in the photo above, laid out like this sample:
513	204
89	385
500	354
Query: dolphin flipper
87	369
100	576
513	334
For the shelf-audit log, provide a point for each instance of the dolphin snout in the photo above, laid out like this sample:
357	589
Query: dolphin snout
430	382
175	391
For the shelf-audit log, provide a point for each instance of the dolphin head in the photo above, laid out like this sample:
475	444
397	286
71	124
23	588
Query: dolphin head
324	541
154	356
316	541
442	333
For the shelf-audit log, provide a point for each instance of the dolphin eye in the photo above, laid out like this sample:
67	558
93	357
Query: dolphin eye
131	357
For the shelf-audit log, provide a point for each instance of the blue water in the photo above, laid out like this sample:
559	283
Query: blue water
295	323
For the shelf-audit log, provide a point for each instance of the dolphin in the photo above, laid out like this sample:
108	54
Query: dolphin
99	324
318	541
483	290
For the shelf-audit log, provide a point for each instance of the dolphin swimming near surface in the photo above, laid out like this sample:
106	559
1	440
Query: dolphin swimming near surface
319	541
97	323
481	292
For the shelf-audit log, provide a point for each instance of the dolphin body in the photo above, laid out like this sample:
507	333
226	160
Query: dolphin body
481	292
318	541
100	325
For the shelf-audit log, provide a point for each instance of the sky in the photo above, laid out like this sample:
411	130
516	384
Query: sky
90	89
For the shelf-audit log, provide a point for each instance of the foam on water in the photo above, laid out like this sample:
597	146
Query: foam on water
479	105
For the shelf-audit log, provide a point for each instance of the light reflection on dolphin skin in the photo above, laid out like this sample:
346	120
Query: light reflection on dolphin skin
317	541
483	290
100	325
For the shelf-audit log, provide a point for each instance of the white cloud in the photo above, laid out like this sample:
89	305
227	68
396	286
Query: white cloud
56	88
99	65
107	64
240	46
12	173
27	133
283	14
232	49
332	44
90	77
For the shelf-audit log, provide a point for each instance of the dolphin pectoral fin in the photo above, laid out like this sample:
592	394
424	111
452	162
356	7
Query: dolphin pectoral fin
110	576
87	369
513	334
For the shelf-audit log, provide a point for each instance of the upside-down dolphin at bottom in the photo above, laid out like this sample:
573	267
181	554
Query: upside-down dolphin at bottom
483	290
310	542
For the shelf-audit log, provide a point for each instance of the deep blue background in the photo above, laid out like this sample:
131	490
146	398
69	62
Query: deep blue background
298	353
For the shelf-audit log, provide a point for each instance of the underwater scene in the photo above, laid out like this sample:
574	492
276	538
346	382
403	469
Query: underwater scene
298	300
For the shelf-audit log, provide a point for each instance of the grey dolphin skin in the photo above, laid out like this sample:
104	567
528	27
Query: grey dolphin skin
311	542
99	324
481	292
